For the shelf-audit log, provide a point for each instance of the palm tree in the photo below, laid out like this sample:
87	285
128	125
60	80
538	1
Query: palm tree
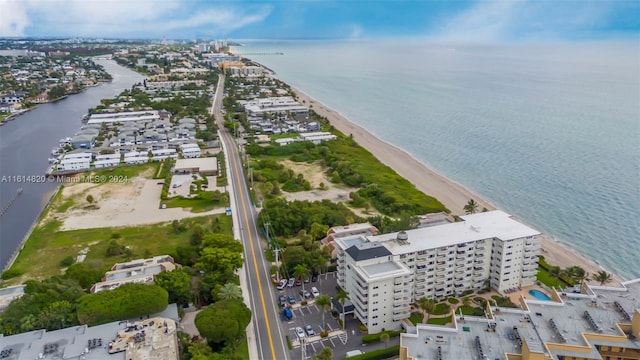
301	272
230	291
325	354
555	272
578	273
471	207
427	306
602	277
342	296
384	337
323	303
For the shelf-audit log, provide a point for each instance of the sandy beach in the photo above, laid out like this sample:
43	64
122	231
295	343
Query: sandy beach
453	195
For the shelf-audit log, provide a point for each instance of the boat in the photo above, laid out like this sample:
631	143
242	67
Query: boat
52	160
20	190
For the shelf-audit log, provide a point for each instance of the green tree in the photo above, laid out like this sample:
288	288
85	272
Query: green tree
325	354
384	337
602	277
555	272
323	303
427	306
318	231
84	274
471	207
90	199
224	322
177	283
230	291
578	274
218	260
342	296
127	301
301	272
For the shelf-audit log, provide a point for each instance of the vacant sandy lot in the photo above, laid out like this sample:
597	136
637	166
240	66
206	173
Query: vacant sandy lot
136	202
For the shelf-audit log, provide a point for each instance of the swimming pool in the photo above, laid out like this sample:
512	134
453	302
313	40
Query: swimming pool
539	295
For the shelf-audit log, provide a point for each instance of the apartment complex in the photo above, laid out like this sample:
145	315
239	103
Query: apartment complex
385	273
600	323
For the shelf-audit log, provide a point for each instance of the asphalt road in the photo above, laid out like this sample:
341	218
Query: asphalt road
268	334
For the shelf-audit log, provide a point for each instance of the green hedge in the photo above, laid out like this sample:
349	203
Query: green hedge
370	338
379	354
127	301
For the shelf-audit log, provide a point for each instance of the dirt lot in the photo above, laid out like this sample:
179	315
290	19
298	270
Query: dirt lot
314	174
132	203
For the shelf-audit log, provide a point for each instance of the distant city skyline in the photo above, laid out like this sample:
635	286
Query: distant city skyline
465	20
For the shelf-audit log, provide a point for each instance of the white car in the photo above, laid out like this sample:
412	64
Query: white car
282	284
300	332
315	292
291	282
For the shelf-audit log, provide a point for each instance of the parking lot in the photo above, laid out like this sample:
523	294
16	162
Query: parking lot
340	341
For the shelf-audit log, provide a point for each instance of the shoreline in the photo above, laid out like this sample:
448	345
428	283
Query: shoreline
450	193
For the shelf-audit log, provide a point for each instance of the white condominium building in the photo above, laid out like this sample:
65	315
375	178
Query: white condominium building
385	273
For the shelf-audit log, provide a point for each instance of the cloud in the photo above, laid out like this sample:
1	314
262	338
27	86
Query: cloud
13	18
122	18
356	32
497	20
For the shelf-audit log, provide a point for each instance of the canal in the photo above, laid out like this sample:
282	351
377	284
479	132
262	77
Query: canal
25	146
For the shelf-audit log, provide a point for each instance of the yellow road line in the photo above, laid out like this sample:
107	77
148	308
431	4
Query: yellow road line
255	264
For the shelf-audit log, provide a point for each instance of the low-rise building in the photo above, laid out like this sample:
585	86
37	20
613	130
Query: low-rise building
206	166
140	271
598	323
148	339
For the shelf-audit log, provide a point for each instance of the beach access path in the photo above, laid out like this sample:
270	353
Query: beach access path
453	195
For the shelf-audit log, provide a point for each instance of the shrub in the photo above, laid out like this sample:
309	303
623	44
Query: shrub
127	301
303	302
289	342
380	354
324	334
68	261
11	273
467	292
371	338
453	300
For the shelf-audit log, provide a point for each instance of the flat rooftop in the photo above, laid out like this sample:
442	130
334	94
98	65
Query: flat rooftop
481	226
93	342
385	269
204	164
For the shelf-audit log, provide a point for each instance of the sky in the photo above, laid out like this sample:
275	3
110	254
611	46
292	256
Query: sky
455	20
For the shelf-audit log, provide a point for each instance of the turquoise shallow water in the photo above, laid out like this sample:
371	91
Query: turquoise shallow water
547	132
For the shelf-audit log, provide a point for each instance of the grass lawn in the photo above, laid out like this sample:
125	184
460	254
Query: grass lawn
470	310
440	321
416	318
441	309
47	246
544	277
242	351
193	205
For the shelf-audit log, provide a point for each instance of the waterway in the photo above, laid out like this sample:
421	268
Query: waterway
25	146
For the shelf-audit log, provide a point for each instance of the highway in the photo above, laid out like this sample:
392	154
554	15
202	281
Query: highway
266	317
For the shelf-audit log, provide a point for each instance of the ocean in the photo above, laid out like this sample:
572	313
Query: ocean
547	132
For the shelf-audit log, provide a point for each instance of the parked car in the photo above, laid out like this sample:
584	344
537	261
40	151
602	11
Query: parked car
287	313
291	282
315	292
314	278
292	300
309	330
306	280
300	332
298	282
282	300
305	294
282	284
